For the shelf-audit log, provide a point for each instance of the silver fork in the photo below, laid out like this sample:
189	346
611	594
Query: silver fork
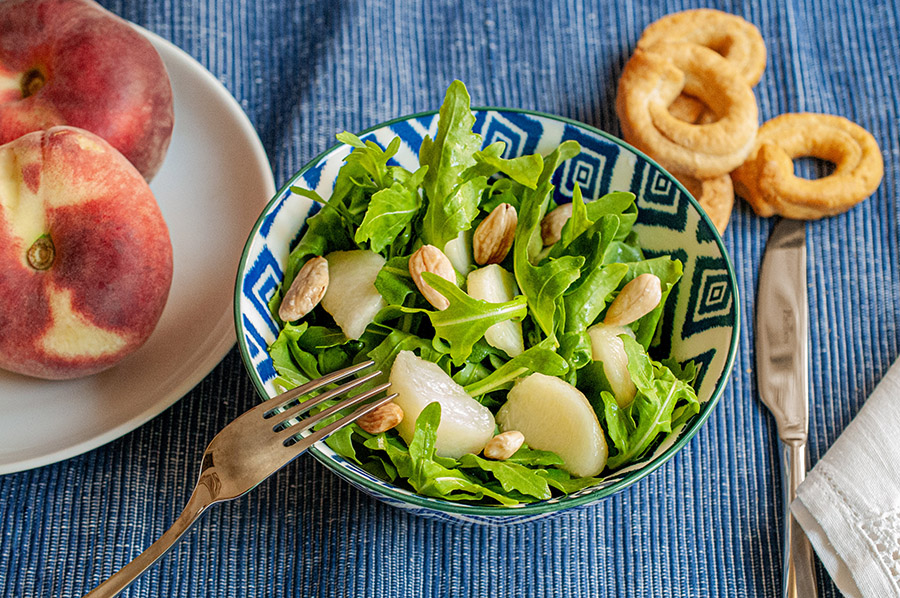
250	449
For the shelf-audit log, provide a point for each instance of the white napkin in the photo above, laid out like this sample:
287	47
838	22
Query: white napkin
849	504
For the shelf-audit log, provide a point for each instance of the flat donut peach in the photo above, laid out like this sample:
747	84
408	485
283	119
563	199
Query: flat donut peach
85	255
715	196
654	77
72	62
767	181
738	40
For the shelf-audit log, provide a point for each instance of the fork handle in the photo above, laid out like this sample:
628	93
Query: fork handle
197	504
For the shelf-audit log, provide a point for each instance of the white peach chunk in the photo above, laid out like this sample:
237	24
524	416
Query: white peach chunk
495	285
555	416
466	425
351	298
607	347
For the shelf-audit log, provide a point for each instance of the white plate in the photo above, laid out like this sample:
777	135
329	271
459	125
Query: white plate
213	184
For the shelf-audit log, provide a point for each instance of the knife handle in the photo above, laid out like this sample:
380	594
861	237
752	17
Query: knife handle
799	572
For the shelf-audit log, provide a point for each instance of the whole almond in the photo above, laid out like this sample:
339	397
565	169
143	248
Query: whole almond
552	224
495	235
381	419
429	258
306	290
504	445
636	299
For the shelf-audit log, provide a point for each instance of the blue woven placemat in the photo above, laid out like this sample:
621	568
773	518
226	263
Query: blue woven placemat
708	523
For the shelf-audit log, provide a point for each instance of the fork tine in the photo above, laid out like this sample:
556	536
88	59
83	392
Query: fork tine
304	442
286	397
295	409
307	423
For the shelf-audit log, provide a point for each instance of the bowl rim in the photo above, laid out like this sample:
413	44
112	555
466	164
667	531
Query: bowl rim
389	490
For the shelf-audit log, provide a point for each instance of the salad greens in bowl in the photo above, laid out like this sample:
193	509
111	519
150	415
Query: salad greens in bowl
555	312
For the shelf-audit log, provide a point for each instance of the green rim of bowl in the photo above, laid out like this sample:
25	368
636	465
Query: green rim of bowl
539	508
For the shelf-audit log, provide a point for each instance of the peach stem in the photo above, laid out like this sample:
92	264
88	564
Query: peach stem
32	82
41	253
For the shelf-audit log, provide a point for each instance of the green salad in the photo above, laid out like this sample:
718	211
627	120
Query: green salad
540	330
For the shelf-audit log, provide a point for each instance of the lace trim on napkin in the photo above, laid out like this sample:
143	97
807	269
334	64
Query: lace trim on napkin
882	531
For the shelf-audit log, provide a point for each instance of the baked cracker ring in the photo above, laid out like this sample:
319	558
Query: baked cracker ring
767	181
738	40
690	109
654	77
687	108
715	196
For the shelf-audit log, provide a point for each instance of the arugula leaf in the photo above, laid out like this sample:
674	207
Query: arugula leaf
325	232
421	447
384	354
539	358
686	372
452	202
591	295
431	476
669	272
511	475
289	358
453	484
614	202
610	215
564	151
317	338
334	227
577	223
454	214
289	374
466	319
624	250
524	170
576	349
501	191
535	457
542	285
370	157
471	373
349	189
332	359
390	210
394	281
634	429
563	481
394	447
341	442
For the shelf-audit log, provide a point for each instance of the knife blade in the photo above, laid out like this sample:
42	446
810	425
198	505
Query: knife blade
782	336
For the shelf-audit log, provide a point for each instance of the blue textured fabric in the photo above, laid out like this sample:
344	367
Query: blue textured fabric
708	523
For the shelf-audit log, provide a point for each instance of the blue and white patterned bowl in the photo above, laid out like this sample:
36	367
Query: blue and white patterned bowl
700	323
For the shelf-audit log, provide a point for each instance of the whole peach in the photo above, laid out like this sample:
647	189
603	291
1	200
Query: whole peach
72	62
85	255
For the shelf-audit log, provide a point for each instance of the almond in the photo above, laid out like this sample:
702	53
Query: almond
636	299
306	290
381	419
504	445
429	258
494	236
552	224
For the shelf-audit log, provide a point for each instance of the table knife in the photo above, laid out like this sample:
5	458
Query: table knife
782	331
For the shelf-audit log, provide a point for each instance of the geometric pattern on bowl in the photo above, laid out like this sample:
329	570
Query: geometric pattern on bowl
701	321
